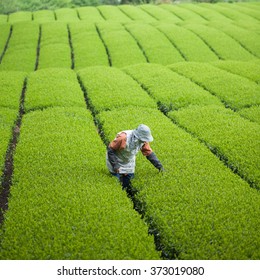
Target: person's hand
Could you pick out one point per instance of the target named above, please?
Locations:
(161, 170)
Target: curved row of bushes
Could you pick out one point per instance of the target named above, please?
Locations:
(235, 91)
(28, 46)
(21, 51)
(88, 49)
(170, 90)
(11, 89)
(228, 135)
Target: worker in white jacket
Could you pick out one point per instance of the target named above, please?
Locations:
(122, 151)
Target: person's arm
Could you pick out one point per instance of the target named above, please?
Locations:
(151, 156)
(113, 159)
(117, 144)
(155, 161)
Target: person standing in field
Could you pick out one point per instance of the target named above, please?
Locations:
(121, 153)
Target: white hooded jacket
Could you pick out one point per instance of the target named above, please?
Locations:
(126, 157)
(122, 151)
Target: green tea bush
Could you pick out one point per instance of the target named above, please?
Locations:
(66, 15)
(182, 38)
(252, 113)
(250, 40)
(235, 91)
(159, 14)
(20, 16)
(53, 87)
(169, 89)
(191, 208)
(122, 47)
(252, 5)
(221, 43)
(207, 14)
(43, 16)
(7, 121)
(113, 13)
(54, 48)
(88, 48)
(136, 14)
(22, 48)
(3, 18)
(231, 13)
(11, 87)
(227, 134)
(248, 69)
(90, 14)
(239, 19)
(5, 31)
(184, 14)
(248, 25)
(152, 42)
(63, 204)
(116, 89)
(245, 9)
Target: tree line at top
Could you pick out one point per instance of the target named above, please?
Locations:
(10, 6)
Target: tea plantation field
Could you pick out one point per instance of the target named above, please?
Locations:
(70, 79)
